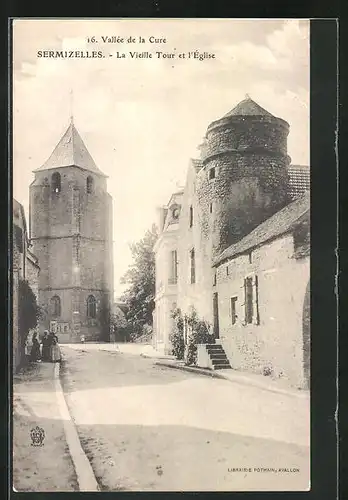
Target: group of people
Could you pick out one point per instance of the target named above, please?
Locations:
(46, 350)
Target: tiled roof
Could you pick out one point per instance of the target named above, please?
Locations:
(71, 151)
(197, 163)
(248, 107)
(299, 179)
(280, 223)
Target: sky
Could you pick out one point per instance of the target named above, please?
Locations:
(142, 119)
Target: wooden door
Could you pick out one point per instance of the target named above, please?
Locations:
(216, 315)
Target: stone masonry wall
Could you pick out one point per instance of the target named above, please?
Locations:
(72, 240)
(249, 156)
(198, 294)
(32, 275)
(247, 189)
(240, 133)
(276, 343)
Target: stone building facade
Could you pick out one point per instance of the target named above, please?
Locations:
(262, 284)
(166, 271)
(71, 234)
(241, 180)
(25, 266)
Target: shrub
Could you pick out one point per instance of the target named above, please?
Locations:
(177, 335)
(267, 371)
(199, 334)
(28, 311)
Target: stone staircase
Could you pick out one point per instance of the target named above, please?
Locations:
(217, 356)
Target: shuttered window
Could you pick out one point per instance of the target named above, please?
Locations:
(251, 300)
(248, 291)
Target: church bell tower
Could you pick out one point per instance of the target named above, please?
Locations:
(71, 234)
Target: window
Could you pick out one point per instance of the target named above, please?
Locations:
(233, 310)
(227, 270)
(191, 216)
(250, 257)
(251, 296)
(248, 291)
(173, 277)
(55, 306)
(212, 173)
(89, 185)
(214, 278)
(56, 182)
(91, 307)
(211, 208)
(192, 266)
(175, 213)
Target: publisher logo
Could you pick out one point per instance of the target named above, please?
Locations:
(37, 436)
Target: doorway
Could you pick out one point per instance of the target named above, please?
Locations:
(216, 315)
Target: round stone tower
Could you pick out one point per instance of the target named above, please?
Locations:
(244, 179)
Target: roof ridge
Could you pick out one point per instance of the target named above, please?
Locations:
(72, 140)
(300, 207)
(247, 106)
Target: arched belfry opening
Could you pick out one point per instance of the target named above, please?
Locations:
(56, 182)
(91, 307)
(306, 336)
(89, 184)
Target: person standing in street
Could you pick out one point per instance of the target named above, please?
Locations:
(46, 347)
(35, 349)
(55, 349)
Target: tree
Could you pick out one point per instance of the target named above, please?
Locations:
(28, 311)
(140, 295)
(118, 318)
(119, 324)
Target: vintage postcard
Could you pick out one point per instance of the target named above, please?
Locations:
(161, 255)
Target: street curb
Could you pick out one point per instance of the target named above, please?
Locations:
(237, 380)
(191, 369)
(84, 472)
(148, 356)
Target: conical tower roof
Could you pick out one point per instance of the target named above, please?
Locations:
(71, 151)
(248, 107)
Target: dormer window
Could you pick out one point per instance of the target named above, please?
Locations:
(175, 213)
(89, 184)
(56, 182)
